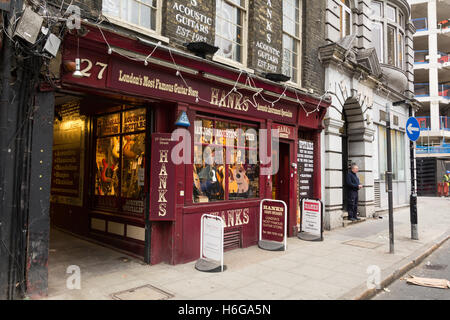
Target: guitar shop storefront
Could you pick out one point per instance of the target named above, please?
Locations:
(114, 179)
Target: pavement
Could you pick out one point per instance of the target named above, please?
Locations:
(337, 268)
(437, 266)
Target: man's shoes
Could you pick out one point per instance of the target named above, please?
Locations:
(357, 218)
(352, 219)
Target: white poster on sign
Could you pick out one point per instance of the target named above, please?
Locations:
(311, 217)
(212, 239)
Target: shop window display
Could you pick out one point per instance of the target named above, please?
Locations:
(225, 161)
(120, 161)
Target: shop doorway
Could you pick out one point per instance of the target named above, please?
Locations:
(100, 174)
(281, 180)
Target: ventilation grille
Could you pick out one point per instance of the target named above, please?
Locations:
(377, 195)
(232, 239)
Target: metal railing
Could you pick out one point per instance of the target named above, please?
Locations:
(445, 57)
(420, 56)
(421, 24)
(422, 89)
(444, 90)
(443, 148)
(425, 123)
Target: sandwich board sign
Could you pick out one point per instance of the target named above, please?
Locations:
(272, 225)
(211, 244)
(311, 220)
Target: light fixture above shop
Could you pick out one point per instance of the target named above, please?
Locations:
(201, 49)
(77, 73)
(277, 77)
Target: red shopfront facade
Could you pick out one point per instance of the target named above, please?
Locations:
(127, 103)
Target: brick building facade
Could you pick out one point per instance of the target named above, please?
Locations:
(138, 75)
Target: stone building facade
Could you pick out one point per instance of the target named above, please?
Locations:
(368, 66)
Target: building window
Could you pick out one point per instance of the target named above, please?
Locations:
(141, 13)
(388, 33)
(291, 39)
(377, 37)
(377, 9)
(398, 154)
(119, 160)
(345, 18)
(391, 13)
(391, 45)
(230, 26)
(220, 173)
(401, 50)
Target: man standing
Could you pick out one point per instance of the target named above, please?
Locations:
(353, 186)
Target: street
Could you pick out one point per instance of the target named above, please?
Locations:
(434, 266)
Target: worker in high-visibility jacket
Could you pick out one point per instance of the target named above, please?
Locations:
(446, 178)
(446, 183)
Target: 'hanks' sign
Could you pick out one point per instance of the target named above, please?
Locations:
(162, 190)
(267, 35)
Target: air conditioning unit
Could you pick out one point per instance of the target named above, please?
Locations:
(29, 25)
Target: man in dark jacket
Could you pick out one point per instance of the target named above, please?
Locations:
(353, 186)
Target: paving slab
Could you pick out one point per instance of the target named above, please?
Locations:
(330, 269)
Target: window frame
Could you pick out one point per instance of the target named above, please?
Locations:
(134, 27)
(244, 53)
(297, 83)
(96, 136)
(240, 124)
(398, 158)
(398, 26)
(343, 8)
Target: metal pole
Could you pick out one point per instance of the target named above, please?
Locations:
(413, 197)
(389, 178)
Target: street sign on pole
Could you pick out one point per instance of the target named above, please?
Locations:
(412, 129)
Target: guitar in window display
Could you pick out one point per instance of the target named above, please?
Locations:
(239, 182)
(133, 161)
(107, 166)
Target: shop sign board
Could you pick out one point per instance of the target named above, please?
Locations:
(162, 179)
(285, 132)
(211, 244)
(311, 221)
(273, 225)
(305, 166)
(110, 72)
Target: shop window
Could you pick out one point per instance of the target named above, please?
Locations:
(120, 161)
(230, 26)
(225, 161)
(291, 39)
(345, 18)
(141, 13)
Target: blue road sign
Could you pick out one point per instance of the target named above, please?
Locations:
(412, 129)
